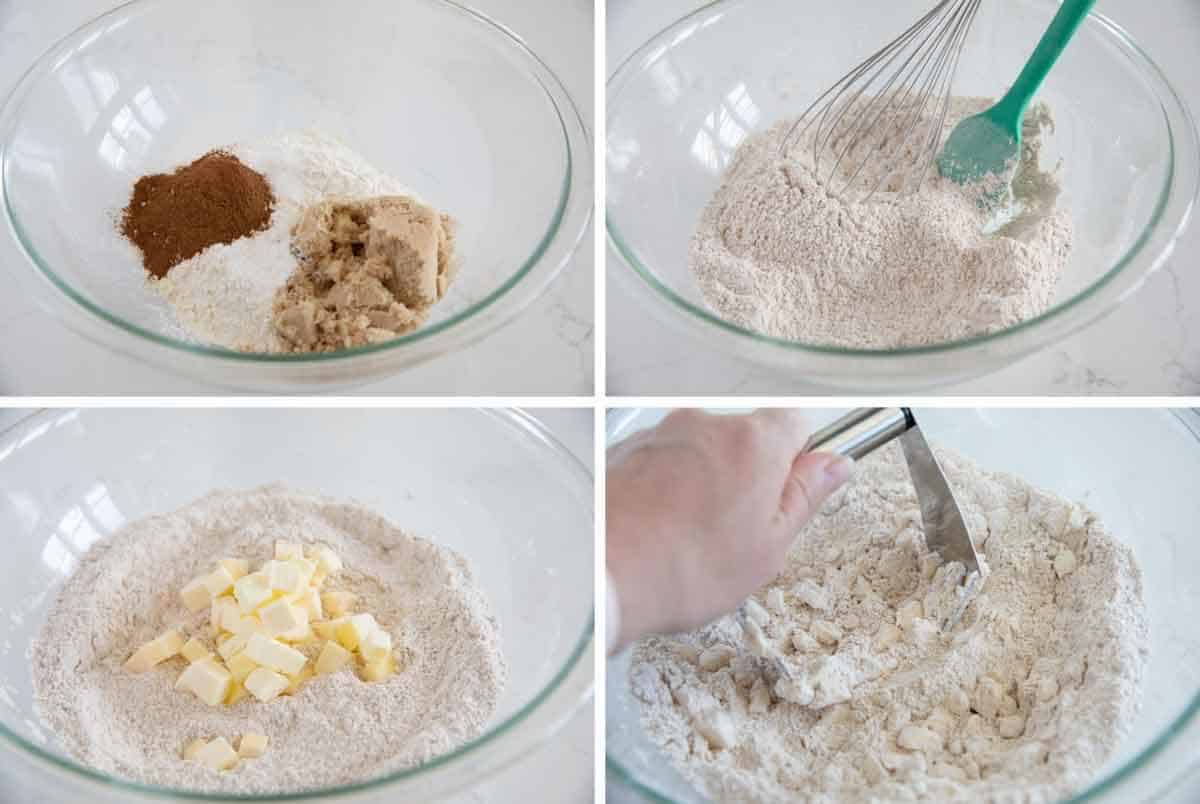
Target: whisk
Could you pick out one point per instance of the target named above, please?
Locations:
(888, 113)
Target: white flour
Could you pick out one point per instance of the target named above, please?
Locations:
(224, 294)
(777, 253)
(337, 729)
(1023, 701)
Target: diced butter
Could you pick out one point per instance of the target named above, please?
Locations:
(194, 649)
(218, 755)
(380, 669)
(274, 655)
(207, 679)
(237, 567)
(251, 591)
(191, 749)
(375, 646)
(318, 578)
(195, 595)
(219, 581)
(333, 657)
(326, 559)
(351, 632)
(306, 568)
(224, 612)
(157, 650)
(247, 625)
(252, 746)
(284, 576)
(296, 681)
(240, 665)
(265, 684)
(233, 646)
(286, 550)
(337, 602)
(236, 693)
(311, 601)
(281, 617)
(301, 633)
(327, 630)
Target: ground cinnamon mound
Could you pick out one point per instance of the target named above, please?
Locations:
(216, 199)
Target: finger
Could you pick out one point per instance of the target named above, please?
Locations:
(814, 476)
(789, 425)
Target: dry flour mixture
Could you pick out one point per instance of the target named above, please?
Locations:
(336, 729)
(1023, 700)
(776, 252)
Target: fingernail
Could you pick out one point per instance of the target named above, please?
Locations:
(838, 471)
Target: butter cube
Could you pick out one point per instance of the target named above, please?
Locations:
(252, 746)
(194, 649)
(224, 612)
(375, 646)
(351, 632)
(237, 567)
(159, 649)
(274, 655)
(337, 602)
(310, 601)
(233, 646)
(191, 749)
(306, 568)
(281, 616)
(333, 657)
(218, 755)
(218, 582)
(236, 693)
(284, 576)
(326, 559)
(207, 679)
(240, 665)
(251, 591)
(318, 578)
(326, 629)
(265, 684)
(195, 595)
(286, 550)
(301, 633)
(247, 625)
(295, 682)
(379, 670)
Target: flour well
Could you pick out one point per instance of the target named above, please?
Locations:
(224, 295)
(776, 252)
(337, 729)
(1023, 701)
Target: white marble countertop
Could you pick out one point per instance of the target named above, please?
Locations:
(562, 770)
(1148, 347)
(547, 350)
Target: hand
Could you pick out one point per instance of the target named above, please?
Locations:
(701, 511)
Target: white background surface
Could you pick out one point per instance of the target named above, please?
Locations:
(547, 350)
(1149, 347)
(562, 770)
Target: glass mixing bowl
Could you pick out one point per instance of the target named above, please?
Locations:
(1137, 469)
(451, 103)
(680, 105)
(492, 485)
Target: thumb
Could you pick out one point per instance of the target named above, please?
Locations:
(814, 476)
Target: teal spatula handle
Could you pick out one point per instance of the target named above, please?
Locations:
(1012, 107)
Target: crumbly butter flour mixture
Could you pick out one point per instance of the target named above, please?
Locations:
(778, 253)
(336, 728)
(1023, 700)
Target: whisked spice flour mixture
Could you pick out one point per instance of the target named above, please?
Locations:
(778, 253)
(1023, 700)
(337, 728)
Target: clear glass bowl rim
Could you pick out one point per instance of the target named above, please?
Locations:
(47, 63)
(515, 420)
(637, 61)
(1190, 419)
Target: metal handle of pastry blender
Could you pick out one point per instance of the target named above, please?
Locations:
(861, 432)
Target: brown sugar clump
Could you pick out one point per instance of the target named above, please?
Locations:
(216, 199)
(369, 271)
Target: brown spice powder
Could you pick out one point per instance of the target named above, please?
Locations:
(216, 199)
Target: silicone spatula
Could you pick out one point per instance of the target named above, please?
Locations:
(990, 143)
